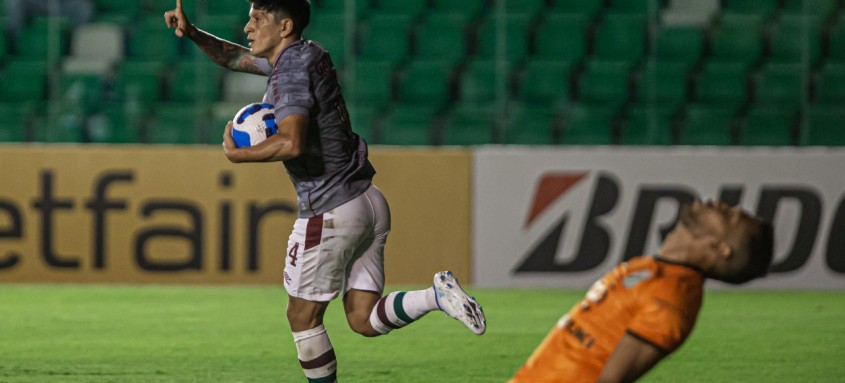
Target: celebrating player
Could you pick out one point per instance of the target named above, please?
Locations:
(336, 247)
(645, 308)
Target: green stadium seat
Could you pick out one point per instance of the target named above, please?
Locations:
(118, 12)
(195, 81)
(412, 8)
(621, 37)
(225, 26)
(44, 38)
(836, 45)
(481, 81)
(679, 44)
(467, 8)
(722, 83)
(469, 124)
(585, 124)
(386, 38)
(737, 38)
(151, 41)
(85, 91)
(646, 125)
(23, 81)
(15, 124)
(589, 8)
(4, 45)
(782, 85)
(642, 7)
(824, 126)
(339, 6)
(335, 43)
(363, 120)
(227, 8)
(516, 37)
(604, 82)
(62, 123)
(528, 8)
(562, 36)
(830, 85)
(796, 39)
(139, 82)
(663, 82)
(763, 8)
(407, 124)
(369, 82)
(767, 127)
(707, 125)
(528, 124)
(545, 83)
(177, 123)
(426, 82)
(115, 124)
(818, 8)
(442, 37)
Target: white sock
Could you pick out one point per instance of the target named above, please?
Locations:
(316, 355)
(399, 309)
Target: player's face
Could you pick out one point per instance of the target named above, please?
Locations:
(715, 219)
(264, 33)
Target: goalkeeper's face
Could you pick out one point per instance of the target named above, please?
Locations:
(264, 33)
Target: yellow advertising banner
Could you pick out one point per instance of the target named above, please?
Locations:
(184, 214)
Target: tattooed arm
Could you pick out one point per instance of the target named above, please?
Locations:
(221, 52)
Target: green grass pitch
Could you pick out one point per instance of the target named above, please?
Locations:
(72, 333)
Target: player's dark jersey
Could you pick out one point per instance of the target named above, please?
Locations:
(649, 298)
(333, 167)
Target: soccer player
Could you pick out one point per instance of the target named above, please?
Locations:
(336, 247)
(645, 308)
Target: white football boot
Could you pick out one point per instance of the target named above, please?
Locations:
(452, 300)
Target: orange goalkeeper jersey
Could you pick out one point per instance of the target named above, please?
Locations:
(649, 298)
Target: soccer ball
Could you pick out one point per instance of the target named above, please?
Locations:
(253, 124)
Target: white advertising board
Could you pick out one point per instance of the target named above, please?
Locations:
(562, 217)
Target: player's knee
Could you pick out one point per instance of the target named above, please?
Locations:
(362, 326)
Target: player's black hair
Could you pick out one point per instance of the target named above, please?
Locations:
(758, 251)
(298, 10)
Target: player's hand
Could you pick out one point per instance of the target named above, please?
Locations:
(176, 19)
(229, 147)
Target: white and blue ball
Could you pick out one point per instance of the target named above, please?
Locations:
(253, 124)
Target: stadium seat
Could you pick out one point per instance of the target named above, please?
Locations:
(782, 85)
(515, 37)
(585, 124)
(722, 83)
(243, 88)
(35, 42)
(369, 82)
(62, 123)
(481, 81)
(469, 124)
(4, 45)
(150, 41)
(227, 8)
(115, 124)
(467, 8)
(23, 80)
(796, 39)
(689, 13)
(195, 81)
(528, 124)
(679, 44)
(426, 82)
(818, 8)
(641, 7)
(707, 125)
(363, 120)
(407, 124)
(14, 125)
(412, 8)
(177, 123)
(545, 83)
(604, 82)
(339, 6)
(646, 125)
(824, 126)
(561, 37)
(139, 82)
(119, 12)
(737, 38)
(765, 126)
(442, 37)
(663, 82)
(385, 38)
(83, 90)
(589, 8)
(225, 26)
(830, 85)
(336, 43)
(836, 45)
(763, 8)
(96, 43)
(621, 37)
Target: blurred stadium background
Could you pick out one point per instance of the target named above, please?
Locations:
(438, 72)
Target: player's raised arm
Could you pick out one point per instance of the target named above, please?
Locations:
(222, 52)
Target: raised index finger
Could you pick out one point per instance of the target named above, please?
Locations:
(179, 5)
